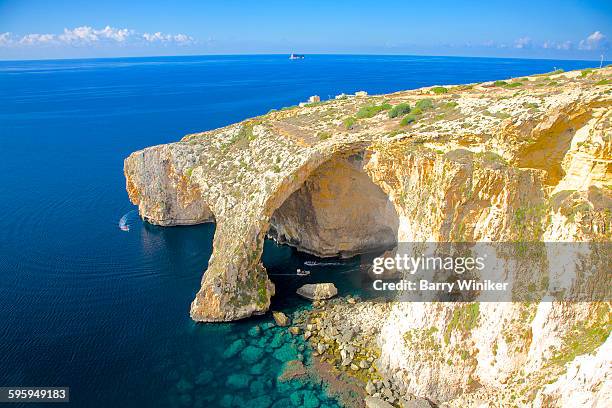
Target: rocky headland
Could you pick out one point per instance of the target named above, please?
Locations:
(526, 159)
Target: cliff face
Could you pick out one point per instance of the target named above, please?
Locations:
(528, 160)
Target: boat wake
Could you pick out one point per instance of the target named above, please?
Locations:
(127, 220)
(314, 263)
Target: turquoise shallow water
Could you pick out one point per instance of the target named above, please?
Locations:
(88, 305)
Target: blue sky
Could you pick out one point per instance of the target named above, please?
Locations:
(529, 29)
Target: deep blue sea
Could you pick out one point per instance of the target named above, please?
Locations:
(105, 311)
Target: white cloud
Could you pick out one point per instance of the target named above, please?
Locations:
(159, 37)
(5, 39)
(34, 39)
(523, 42)
(553, 45)
(595, 41)
(86, 35)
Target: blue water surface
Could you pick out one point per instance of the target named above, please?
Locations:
(105, 311)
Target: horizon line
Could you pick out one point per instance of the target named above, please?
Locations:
(279, 54)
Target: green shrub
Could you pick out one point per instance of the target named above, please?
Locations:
(349, 122)
(500, 83)
(514, 85)
(371, 110)
(417, 111)
(399, 110)
(604, 82)
(586, 72)
(438, 90)
(450, 105)
(408, 119)
(324, 135)
(424, 104)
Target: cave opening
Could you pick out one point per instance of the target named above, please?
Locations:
(337, 214)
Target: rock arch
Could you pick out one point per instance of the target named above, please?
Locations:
(236, 285)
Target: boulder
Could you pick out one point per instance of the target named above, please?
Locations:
(318, 291)
(281, 319)
(416, 403)
(373, 402)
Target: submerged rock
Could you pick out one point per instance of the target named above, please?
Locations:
(292, 369)
(204, 377)
(263, 401)
(285, 353)
(234, 348)
(318, 291)
(238, 381)
(252, 354)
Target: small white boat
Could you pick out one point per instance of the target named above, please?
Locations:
(300, 272)
(296, 56)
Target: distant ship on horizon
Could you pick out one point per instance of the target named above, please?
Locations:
(296, 56)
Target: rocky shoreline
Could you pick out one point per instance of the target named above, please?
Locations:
(342, 333)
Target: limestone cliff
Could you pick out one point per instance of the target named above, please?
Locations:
(528, 159)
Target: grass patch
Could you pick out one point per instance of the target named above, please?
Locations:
(424, 104)
(450, 105)
(439, 90)
(604, 82)
(586, 336)
(371, 110)
(586, 72)
(408, 119)
(514, 85)
(399, 110)
(324, 135)
(491, 157)
(464, 319)
(349, 122)
(500, 83)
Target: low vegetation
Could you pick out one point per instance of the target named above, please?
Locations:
(424, 104)
(349, 122)
(439, 90)
(408, 119)
(372, 110)
(399, 110)
(464, 319)
(324, 135)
